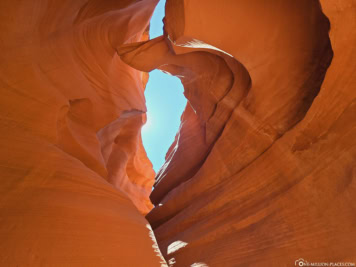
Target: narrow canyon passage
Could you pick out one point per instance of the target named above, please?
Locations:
(165, 103)
(260, 173)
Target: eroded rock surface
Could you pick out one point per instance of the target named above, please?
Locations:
(262, 172)
(75, 178)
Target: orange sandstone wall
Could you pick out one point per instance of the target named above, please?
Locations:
(75, 178)
(262, 171)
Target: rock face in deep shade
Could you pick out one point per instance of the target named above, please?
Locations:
(72, 163)
(262, 171)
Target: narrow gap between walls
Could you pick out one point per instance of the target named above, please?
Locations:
(165, 103)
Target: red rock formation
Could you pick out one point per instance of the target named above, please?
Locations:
(72, 162)
(262, 173)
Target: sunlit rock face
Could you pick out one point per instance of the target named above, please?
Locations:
(262, 171)
(75, 179)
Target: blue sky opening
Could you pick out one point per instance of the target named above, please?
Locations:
(165, 103)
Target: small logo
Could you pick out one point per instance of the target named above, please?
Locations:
(300, 262)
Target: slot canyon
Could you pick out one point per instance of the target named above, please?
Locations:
(262, 171)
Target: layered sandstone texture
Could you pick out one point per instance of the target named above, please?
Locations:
(75, 179)
(263, 169)
(261, 173)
